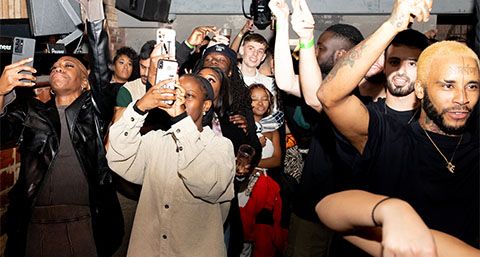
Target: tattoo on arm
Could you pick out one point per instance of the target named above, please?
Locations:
(397, 21)
(348, 59)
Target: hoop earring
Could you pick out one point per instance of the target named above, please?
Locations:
(51, 92)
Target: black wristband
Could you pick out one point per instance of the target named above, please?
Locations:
(137, 110)
(373, 211)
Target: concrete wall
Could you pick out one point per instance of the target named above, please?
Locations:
(136, 32)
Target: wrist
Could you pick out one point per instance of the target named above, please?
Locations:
(140, 108)
(388, 207)
(307, 44)
(189, 45)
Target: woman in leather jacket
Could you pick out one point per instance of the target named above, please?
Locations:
(63, 180)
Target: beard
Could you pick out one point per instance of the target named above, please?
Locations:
(400, 91)
(438, 119)
(327, 66)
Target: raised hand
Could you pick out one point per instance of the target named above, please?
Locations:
(93, 9)
(247, 27)
(302, 20)
(11, 76)
(156, 96)
(404, 12)
(199, 34)
(178, 107)
(280, 9)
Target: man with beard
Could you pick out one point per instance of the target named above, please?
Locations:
(432, 163)
(401, 72)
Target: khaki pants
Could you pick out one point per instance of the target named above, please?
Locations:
(60, 230)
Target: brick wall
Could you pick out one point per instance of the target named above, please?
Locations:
(117, 35)
(9, 169)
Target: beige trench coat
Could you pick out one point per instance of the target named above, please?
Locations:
(186, 193)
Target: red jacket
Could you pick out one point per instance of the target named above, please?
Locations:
(261, 218)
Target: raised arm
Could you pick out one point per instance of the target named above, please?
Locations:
(402, 231)
(235, 45)
(284, 74)
(345, 110)
(310, 73)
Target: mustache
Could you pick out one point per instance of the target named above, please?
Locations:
(457, 108)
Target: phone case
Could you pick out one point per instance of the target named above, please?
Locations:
(166, 36)
(166, 69)
(23, 48)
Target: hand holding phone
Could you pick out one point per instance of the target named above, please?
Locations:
(23, 48)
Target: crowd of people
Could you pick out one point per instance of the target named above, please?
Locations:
(371, 148)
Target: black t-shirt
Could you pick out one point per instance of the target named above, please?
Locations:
(403, 163)
(323, 173)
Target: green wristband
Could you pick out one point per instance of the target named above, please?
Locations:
(189, 46)
(307, 45)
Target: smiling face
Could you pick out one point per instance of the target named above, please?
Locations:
(123, 68)
(213, 78)
(195, 99)
(253, 53)
(401, 69)
(450, 93)
(68, 76)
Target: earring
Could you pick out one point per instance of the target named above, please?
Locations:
(51, 92)
(204, 113)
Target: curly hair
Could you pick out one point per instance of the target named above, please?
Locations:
(224, 98)
(241, 101)
(130, 53)
(269, 96)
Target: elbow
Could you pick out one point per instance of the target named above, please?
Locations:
(324, 99)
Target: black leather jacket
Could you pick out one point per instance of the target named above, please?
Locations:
(36, 125)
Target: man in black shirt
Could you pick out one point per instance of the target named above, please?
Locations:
(432, 163)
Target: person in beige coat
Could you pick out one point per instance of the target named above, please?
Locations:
(186, 172)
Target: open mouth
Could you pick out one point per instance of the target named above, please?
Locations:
(399, 81)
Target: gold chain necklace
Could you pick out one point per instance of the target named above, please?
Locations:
(450, 165)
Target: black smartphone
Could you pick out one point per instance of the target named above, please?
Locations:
(23, 48)
(166, 69)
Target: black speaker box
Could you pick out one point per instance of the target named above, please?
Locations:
(146, 10)
(48, 17)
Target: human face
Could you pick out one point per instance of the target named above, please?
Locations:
(68, 76)
(401, 69)
(195, 103)
(144, 65)
(451, 92)
(218, 60)
(214, 80)
(260, 102)
(253, 53)
(327, 45)
(123, 68)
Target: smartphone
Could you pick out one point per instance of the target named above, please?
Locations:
(166, 36)
(23, 48)
(166, 69)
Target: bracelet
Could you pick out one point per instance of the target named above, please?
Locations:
(189, 46)
(375, 207)
(307, 45)
(240, 35)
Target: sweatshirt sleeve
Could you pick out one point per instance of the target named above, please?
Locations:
(126, 153)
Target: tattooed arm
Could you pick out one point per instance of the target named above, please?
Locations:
(345, 110)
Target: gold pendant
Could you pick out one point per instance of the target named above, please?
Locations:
(450, 167)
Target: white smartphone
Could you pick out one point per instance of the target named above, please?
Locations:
(166, 36)
(23, 48)
(166, 69)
